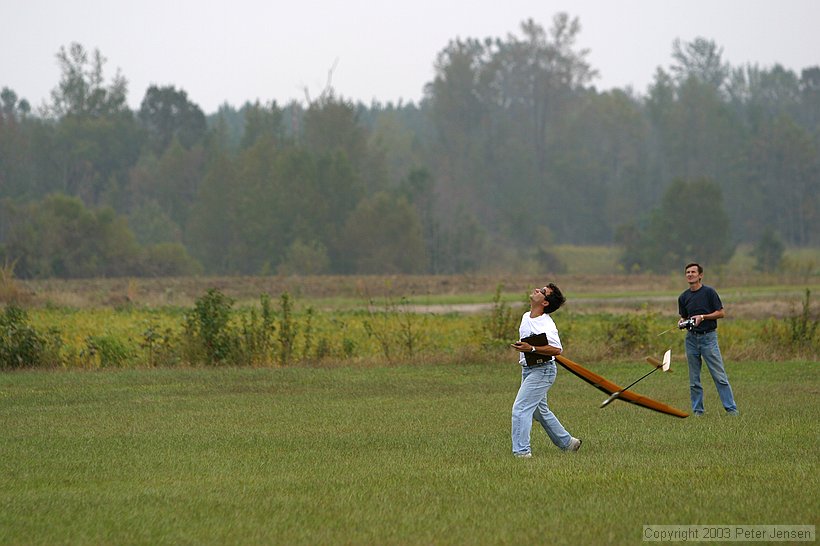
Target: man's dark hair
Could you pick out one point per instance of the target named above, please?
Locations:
(694, 264)
(556, 299)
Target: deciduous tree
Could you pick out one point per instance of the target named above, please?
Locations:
(167, 114)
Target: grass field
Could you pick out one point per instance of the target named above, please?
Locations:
(391, 455)
(343, 448)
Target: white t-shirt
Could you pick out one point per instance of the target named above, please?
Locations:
(542, 324)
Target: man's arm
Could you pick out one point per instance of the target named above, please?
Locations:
(547, 350)
(714, 315)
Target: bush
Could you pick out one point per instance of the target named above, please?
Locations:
(106, 351)
(287, 331)
(259, 339)
(207, 332)
(797, 334)
(629, 333)
(10, 290)
(256, 339)
(395, 326)
(160, 346)
(803, 325)
(21, 346)
(500, 325)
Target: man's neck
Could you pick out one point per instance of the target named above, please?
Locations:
(536, 311)
(694, 287)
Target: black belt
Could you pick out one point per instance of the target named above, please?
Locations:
(700, 333)
(540, 362)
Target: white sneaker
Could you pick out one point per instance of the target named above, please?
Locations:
(523, 455)
(574, 444)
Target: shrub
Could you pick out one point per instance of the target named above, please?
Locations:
(797, 334)
(207, 329)
(803, 325)
(256, 340)
(21, 345)
(287, 330)
(394, 326)
(106, 351)
(10, 290)
(629, 333)
(499, 325)
(160, 346)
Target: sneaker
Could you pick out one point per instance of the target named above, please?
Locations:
(574, 444)
(733, 413)
(523, 455)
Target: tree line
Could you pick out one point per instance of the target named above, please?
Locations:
(511, 150)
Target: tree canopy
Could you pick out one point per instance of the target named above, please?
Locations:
(511, 141)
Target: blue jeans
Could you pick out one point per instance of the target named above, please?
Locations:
(531, 402)
(705, 346)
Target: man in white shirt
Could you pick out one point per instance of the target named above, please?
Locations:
(538, 371)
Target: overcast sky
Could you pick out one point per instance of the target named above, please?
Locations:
(240, 50)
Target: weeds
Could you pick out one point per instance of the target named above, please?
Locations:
(106, 351)
(499, 326)
(21, 345)
(803, 326)
(256, 341)
(628, 334)
(214, 333)
(410, 329)
(798, 334)
(287, 330)
(159, 346)
(10, 291)
(395, 325)
(211, 337)
(307, 346)
(206, 329)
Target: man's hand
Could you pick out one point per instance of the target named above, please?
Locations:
(521, 346)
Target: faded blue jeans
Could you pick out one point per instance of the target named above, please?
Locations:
(705, 347)
(531, 402)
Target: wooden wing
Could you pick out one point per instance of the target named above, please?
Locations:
(607, 386)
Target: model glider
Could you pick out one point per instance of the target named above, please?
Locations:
(615, 391)
(667, 361)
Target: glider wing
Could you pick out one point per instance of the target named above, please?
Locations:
(607, 386)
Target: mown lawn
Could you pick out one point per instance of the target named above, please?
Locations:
(391, 455)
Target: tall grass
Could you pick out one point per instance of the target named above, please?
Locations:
(137, 337)
(399, 455)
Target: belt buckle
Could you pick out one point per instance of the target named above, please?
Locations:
(540, 363)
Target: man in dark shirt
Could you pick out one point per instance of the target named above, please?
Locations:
(701, 306)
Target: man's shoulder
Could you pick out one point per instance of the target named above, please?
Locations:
(543, 317)
(686, 294)
(709, 289)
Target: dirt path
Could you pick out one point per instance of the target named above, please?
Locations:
(771, 305)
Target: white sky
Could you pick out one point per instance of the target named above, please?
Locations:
(240, 50)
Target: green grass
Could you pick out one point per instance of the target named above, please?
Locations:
(394, 455)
